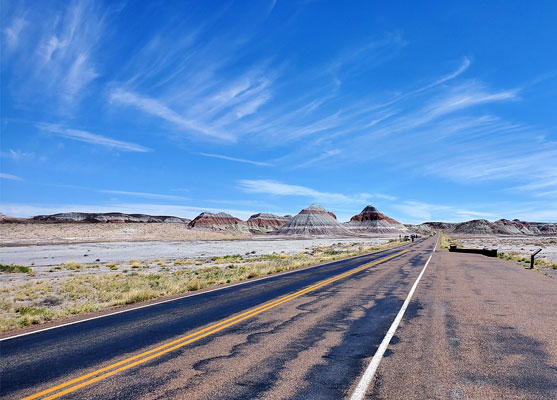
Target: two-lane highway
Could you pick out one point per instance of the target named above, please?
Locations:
(304, 334)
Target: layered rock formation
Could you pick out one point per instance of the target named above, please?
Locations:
(264, 223)
(4, 219)
(313, 221)
(503, 227)
(219, 222)
(371, 221)
(485, 227)
(421, 229)
(113, 217)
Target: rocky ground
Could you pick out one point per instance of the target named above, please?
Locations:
(44, 258)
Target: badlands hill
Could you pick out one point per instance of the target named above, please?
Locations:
(113, 217)
(485, 227)
(264, 223)
(12, 220)
(503, 227)
(313, 221)
(371, 221)
(219, 222)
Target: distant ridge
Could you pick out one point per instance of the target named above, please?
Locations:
(112, 217)
(319, 222)
(485, 227)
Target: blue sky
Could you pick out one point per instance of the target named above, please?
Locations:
(428, 110)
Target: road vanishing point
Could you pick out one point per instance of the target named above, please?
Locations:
(410, 322)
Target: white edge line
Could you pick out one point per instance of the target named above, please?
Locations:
(369, 373)
(179, 298)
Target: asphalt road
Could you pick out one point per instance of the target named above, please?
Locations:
(476, 328)
(364, 303)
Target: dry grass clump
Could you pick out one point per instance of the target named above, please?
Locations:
(445, 241)
(112, 265)
(524, 261)
(234, 258)
(72, 265)
(136, 264)
(181, 262)
(16, 269)
(41, 301)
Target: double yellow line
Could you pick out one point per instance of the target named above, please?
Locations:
(138, 359)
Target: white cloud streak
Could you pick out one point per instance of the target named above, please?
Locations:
(16, 154)
(324, 156)
(158, 109)
(240, 160)
(88, 137)
(275, 188)
(475, 213)
(12, 32)
(144, 195)
(10, 177)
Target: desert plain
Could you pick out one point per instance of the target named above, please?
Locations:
(54, 270)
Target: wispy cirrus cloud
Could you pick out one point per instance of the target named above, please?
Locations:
(10, 177)
(92, 138)
(215, 109)
(56, 58)
(235, 159)
(158, 109)
(16, 154)
(465, 63)
(458, 98)
(540, 186)
(532, 164)
(144, 195)
(321, 157)
(13, 30)
(202, 100)
(475, 213)
(418, 212)
(276, 188)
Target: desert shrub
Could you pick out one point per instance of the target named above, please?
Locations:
(15, 269)
(72, 265)
(112, 265)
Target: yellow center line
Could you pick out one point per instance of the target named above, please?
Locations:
(185, 340)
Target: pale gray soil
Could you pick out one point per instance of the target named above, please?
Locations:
(523, 245)
(520, 245)
(62, 233)
(43, 258)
